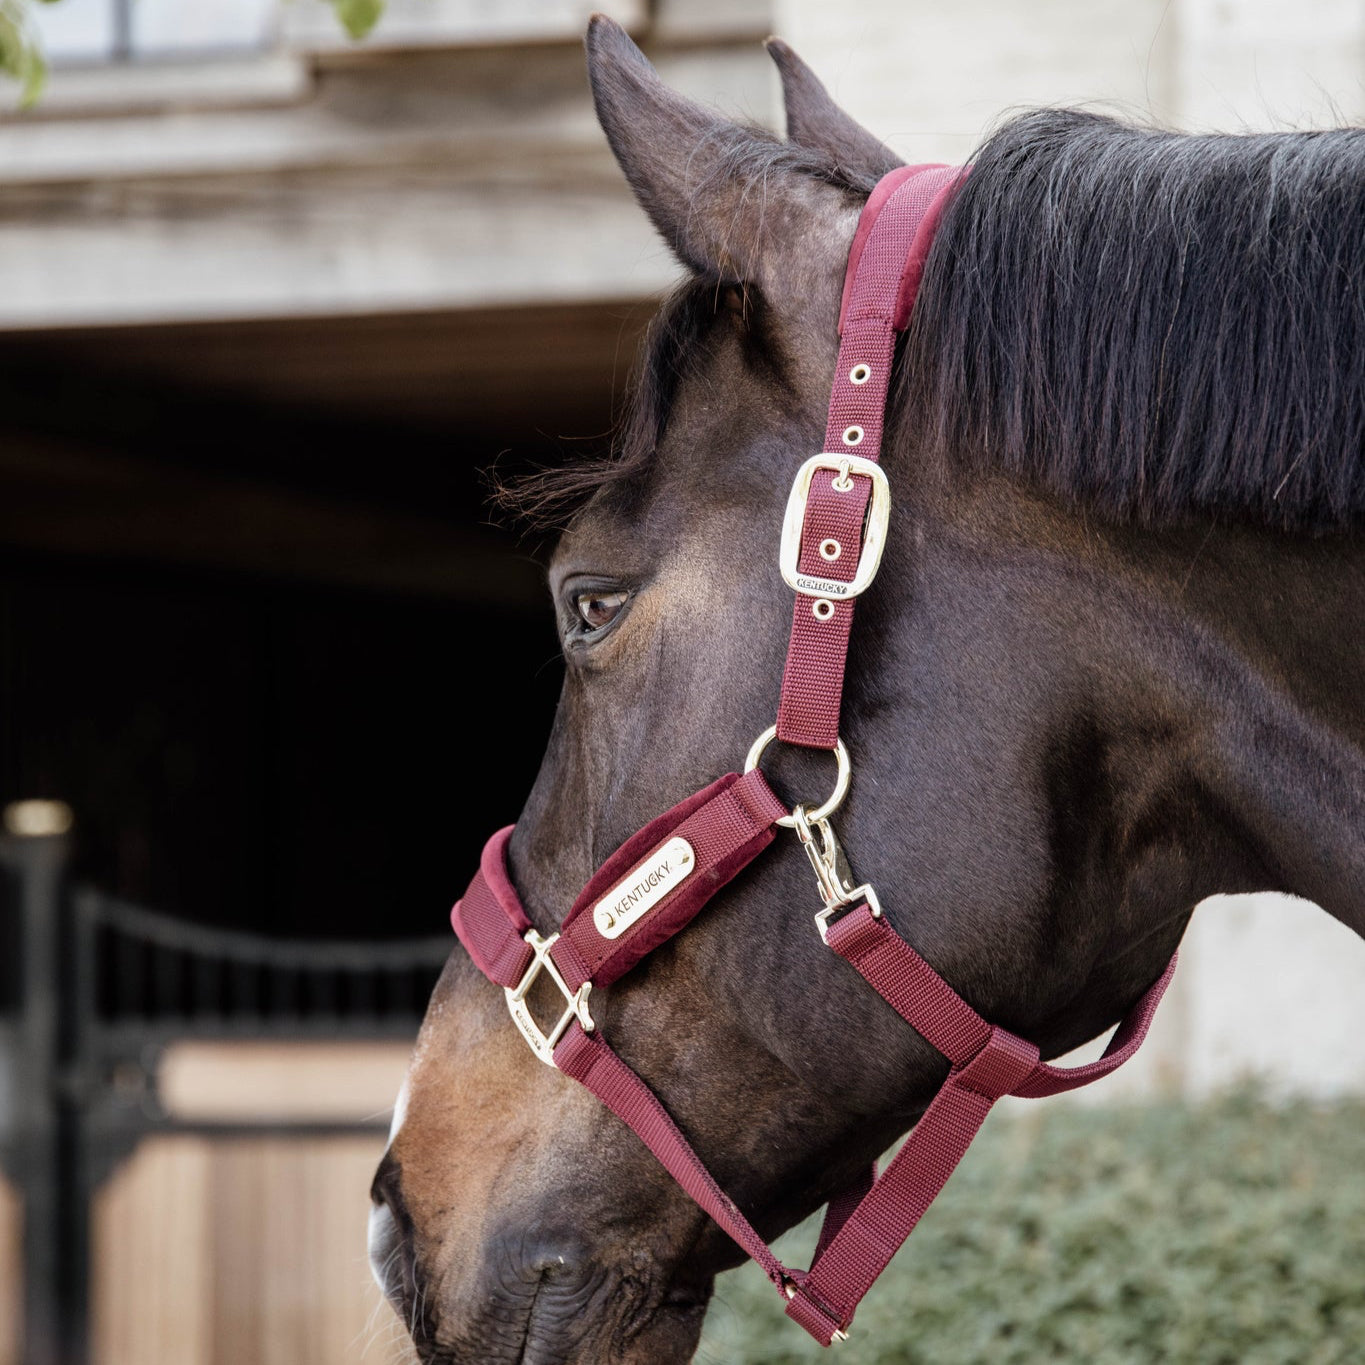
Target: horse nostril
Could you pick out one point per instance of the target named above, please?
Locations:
(561, 1266)
(387, 1229)
(531, 1257)
(385, 1179)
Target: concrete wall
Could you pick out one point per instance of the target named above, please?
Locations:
(931, 79)
(308, 177)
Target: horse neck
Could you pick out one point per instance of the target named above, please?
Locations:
(1275, 653)
(1230, 660)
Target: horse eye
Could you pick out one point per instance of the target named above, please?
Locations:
(597, 610)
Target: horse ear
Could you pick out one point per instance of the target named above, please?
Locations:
(814, 121)
(729, 201)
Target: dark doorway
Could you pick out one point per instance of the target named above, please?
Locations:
(255, 627)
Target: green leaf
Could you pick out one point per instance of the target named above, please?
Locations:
(358, 17)
(21, 56)
(21, 59)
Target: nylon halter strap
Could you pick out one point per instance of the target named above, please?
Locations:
(659, 879)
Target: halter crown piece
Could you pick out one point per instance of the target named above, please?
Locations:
(656, 882)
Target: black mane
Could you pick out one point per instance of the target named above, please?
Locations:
(1160, 324)
(1153, 323)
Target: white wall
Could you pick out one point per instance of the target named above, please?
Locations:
(1267, 986)
(1270, 63)
(930, 79)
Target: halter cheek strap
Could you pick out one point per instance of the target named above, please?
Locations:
(659, 880)
(885, 264)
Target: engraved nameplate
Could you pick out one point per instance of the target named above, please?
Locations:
(823, 587)
(633, 898)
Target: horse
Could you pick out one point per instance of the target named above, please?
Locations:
(1110, 666)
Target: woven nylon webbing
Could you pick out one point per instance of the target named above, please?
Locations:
(884, 271)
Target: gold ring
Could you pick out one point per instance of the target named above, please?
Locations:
(841, 781)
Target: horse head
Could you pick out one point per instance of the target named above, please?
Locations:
(1065, 733)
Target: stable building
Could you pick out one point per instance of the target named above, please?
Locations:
(266, 313)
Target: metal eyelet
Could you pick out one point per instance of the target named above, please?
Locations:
(859, 374)
(822, 609)
(852, 435)
(830, 549)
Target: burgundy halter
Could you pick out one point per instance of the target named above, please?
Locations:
(658, 880)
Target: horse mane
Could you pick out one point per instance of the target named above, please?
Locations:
(1154, 323)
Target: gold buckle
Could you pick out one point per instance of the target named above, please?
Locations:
(832, 871)
(874, 533)
(543, 1044)
(790, 1290)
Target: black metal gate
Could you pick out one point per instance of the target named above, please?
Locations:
(92, 990)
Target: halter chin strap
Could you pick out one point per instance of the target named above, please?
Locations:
(658, 880)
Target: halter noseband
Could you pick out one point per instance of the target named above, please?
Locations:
(656, 882)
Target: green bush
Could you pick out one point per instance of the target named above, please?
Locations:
(1231, 1233)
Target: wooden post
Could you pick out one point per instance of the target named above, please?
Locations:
(34, 850)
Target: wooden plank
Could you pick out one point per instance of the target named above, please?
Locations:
(221, 82)
(703, 21)
(244, 1252)
(11, 1273)
(461, 113)
(227, 1082)
(150, 1253)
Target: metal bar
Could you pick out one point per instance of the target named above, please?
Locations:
(322, 994)
(282, 996)
(101, 979)
(167, 969)
(130, 972)
(207, 988)
(359, 995)
(166, 931)
(123, 30)
(246, 989)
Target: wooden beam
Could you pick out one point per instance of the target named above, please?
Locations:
(408, 183)
(242, 1252)
(312, 24)
(489, 373)
(264, 1082)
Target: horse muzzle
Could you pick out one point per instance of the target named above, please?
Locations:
(528, 1294)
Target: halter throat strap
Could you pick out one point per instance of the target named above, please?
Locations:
(656, 883)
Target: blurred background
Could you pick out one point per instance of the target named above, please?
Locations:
(271, 298)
